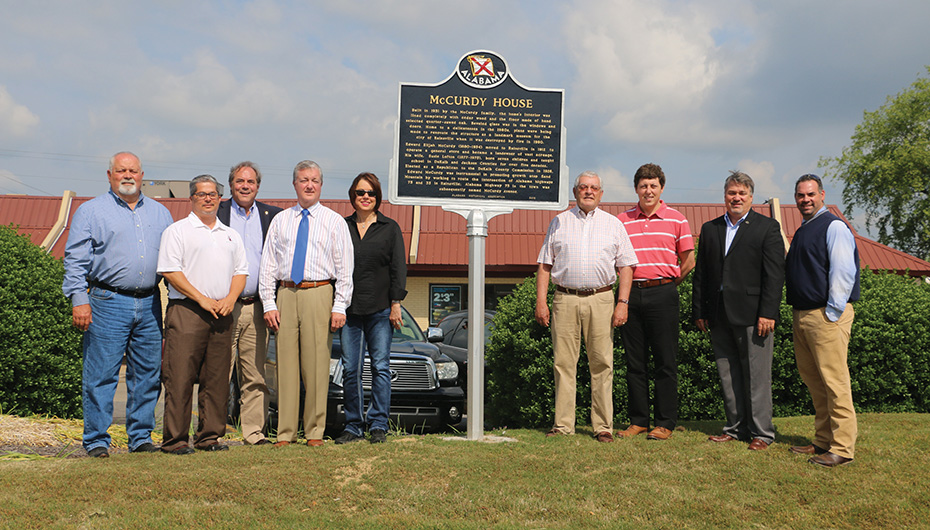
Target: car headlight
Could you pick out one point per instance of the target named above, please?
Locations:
(447, 371)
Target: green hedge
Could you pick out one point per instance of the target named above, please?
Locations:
(889, 359)
(40, 351)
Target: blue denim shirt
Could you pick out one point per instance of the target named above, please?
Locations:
(110, 242)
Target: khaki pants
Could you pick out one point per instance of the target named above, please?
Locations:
(304, 343)
(249, 345)
(573, 317)
(821, 347)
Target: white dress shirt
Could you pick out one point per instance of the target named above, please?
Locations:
(330, 255)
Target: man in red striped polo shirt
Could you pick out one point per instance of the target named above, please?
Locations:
(665, 250)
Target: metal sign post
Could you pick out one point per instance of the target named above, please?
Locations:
(477, 231)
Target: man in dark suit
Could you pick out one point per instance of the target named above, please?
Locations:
(250, 219)
(738, 282)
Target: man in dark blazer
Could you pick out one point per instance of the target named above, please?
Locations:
(738, 282)
(250, 219)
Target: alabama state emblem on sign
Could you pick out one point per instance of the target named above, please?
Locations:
(482, 69)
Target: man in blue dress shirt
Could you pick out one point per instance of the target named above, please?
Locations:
(110, 278)
(250, 219)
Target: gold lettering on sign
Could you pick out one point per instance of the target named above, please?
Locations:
(480, 147)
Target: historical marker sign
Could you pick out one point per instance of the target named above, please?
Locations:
(479, 144)
(479, 139)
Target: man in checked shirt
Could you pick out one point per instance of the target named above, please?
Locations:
(584, 252)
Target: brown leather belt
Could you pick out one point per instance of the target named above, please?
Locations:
(583, 292)
(653, 283)
(304, 284)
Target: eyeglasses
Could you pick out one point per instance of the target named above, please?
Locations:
(585, 187)
(203, 195)
(362, 193)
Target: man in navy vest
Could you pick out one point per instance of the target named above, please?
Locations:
(822, 278)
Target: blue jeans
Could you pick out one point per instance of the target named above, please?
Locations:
(375, 331)
(121, 324)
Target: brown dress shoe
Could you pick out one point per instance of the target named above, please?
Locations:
(631, 431)
(555, 432)
(807, 450)
(721, 438)
(282, 443)
(314, 443)
(758, 444)
(659, 433)
(829, 460)
(604, 436)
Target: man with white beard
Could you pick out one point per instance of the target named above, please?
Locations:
(110, 279)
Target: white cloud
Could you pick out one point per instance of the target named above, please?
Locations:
(16, 121)
(209, 95)
(644, 66)
(762, 174)
(617, 187)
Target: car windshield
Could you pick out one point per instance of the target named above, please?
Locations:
(409, 329)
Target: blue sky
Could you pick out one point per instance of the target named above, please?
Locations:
(699, 87)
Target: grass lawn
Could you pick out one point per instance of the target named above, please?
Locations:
(535, 482)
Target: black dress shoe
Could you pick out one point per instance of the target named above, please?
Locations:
(183, 450)
(214, 447)
(147, 447)
(263, 441)
(378, 436)
(99, 452)
(347, 437)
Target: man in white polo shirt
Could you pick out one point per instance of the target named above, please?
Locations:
(205, 264)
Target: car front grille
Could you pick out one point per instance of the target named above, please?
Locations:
(406, 374)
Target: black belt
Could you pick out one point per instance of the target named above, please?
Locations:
(653, 283)
(135, 293)
(248, 300)
(583, 292)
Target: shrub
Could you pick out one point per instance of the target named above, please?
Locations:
(889, 359)
(889, 351)
(40, 351)
(520, 386)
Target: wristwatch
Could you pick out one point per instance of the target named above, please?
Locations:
(624, 301)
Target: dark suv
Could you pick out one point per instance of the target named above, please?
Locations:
(453, 341)
(425, 390)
